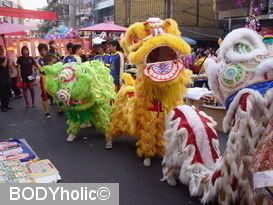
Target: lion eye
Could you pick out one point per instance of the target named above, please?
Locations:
(135, 39)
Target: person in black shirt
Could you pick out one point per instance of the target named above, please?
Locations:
(25, 67)
(5, 82)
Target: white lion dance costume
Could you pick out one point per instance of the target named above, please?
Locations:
(242, 78)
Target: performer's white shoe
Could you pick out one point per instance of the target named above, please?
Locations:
(109, 145)
(71, 138)
(147, 162)
(87, 125)
(171, 181)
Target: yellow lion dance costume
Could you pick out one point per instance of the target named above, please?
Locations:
(156, 47)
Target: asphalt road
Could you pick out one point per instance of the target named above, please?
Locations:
(87, 161)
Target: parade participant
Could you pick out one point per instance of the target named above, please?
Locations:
(156, 47)
(43, 50)
(102, 56)
(13, 71)
(84, 91)
(242, 78)
(70, 57)
(26, 64)
(199, 66)
(84, 58)
(116, 63)
(53, 49)
(77, 52)
(5, 82)
(105, 46)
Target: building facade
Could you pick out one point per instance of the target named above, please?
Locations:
(196, 18)
(11, 4)
(233, 16)
(76, 13)
(131, 11)
(104, 10)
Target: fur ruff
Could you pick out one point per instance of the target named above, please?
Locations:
(238, 36)
(247, 121)
(234, 176)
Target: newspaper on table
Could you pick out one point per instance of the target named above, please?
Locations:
(43, 171)
(20, 164)
(14, 171)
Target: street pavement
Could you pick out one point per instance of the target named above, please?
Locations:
(86, 160)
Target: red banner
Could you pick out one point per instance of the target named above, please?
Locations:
(31, 14)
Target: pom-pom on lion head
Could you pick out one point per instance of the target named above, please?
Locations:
(157, 48)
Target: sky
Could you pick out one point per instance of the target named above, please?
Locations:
(33, 4)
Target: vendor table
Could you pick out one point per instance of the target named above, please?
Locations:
(216, 112)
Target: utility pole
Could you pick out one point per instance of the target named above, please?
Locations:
(197, 12)
(229, 19)
(129, 12)
(169, 8)
(126, 13)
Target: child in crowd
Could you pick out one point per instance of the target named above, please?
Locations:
(43, 50)
(26, 75)
(77, 51)
(102, 56)
(70, 57)
(105, 46)
(116, 63)
(53, 49)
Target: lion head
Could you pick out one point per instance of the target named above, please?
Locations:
(79, 86)
(244, 62)
(157, 48)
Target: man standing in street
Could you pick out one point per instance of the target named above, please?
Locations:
(5, 82)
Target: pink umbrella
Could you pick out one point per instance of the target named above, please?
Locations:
(107, 27)
(8, 28)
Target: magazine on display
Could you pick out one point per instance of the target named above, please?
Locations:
(20, 164)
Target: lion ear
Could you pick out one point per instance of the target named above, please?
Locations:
(171, 26)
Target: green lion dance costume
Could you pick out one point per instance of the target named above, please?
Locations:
(84, 91)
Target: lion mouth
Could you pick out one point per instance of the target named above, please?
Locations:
(74, 102)
(163, 64)
(161, 54)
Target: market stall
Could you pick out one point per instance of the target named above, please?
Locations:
(205, 100)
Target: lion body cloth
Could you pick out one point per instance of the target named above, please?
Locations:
(156, 47)
(242, 78)
(84, 91)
